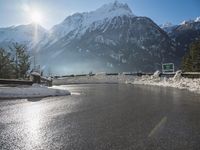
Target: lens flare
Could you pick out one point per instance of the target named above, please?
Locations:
(36, 17)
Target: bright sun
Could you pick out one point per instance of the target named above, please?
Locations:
(36, 17)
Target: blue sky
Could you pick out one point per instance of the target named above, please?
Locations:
(13, 12)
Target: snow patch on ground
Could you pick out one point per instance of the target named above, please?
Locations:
(177, 82)
(31, 92)
(99, 78)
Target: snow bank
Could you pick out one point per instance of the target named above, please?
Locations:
(100, 78)
(35, 74)
(177, 82)
(156, 74)
(31, 92)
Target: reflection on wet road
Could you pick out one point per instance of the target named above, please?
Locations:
(103, 117)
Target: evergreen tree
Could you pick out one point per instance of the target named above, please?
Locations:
(6, 64)
(191, 62)
(21, 60)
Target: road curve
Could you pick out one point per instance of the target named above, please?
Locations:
(103, 117)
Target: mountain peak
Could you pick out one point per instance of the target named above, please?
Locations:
(187, 22)
(197, 19)
(166, 25)
(115, 8)
(107, 11)
(82, 21)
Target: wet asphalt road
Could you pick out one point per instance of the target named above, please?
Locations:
(103, 117)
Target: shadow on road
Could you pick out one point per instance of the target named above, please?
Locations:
(34, 99)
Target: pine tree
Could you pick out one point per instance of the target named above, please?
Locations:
(6, 64)
(191, 61)
(21, 59)
(195, 54)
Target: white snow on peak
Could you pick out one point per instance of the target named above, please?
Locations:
(166, 25)
(197, 19)
(109, 11)
(78, 23)
(191, 21)
(29, 34)
(184, 22)
(82, 21)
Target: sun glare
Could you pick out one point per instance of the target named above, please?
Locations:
(36, 17)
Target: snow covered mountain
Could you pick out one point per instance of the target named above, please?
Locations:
(197, 19)
(168, 27)
(30, 35)
(184, 34)
(79, 23)
(110, 38)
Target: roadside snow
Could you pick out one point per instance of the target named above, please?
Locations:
(35, 74)
(31, 92)
(100, 78)
(177, 82)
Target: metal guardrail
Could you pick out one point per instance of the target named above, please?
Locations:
(49, 82)
(14, 81)
(25, 82)
(191, 74)
(112, 74)
(184, 74)
(81, 75)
